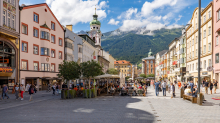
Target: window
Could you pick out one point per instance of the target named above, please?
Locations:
(204, 50)
(217, 58)
(52, 67)
(196, 25)
(24, 46)
(204, 19)
(217, 40)
(210, 30)
(36, 32)
(24, 64)
(210, 63)
(45, 35)
(60, 42)
(45, 51)
(52, 53)
(196, 66)
(36, 17)
(9, 20)
(218, 14)
(209, 47)
(190, 68)
(193, 67)
(193, 54)
(36, 66)
(53, 26)
(24, 28)
(196, 39)
(209, 14)
(13, 22)
(204, 34)
(9, 1)
(196, 52)
(4, 17)
(36, 49)
(80, 50)
(53, 38)
(192, 42)
(13, 2)
(205, 64)
(60, 54)
(45, 67)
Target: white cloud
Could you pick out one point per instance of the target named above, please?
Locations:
(75, 11)
(109, 11)
(113, 22)
(154, 15)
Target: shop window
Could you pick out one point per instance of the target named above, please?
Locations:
(24, 46)
(53, 26)
(36, 49)
(36, 66)
(217, 58)
(36, 17)
(52, 38)
(7, 55)
(24, 64)
(60, 54)
(45, 67)
(45, 51)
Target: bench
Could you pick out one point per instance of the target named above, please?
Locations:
(112, 92)
(130, 92)
(123, 92)
(140, 92)
(191, 98)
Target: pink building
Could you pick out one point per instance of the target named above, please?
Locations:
(216, 39)
(41, 45)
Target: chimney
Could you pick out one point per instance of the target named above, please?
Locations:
(69, 27)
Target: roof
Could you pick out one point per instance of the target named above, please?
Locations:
(39, 5)
(151, 57)
(162, 52)
(122, 62)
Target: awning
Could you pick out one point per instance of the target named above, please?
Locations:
(175, 62)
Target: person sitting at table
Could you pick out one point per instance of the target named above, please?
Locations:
(188, 91)
(194, 94)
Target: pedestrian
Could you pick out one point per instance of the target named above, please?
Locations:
(179, 84)
(16, 92)
(2, 91)
(5, 92)
(54, 87)
(164, 85)
(157, 85)
(211, 86)
(172, 88)
(215, 86)
(31, 92)
(22, 89)
(191, 85)
(57, 89)
(48, 87)
(206, 85)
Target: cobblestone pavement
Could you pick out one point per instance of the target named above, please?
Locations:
(117, 109)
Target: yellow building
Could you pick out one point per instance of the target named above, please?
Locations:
(206, 44)
(9, 43)
(124, 67)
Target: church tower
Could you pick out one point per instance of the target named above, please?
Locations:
(95, 32)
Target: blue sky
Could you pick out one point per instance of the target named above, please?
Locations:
(123, 14)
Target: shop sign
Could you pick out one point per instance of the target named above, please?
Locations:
(94, 57)
(204, 73)
(187, 71)
(209, 68)
(6, 70)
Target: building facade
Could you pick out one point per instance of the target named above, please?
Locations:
(216, 39)
(41, 45)
(111, 61)
(182, 53)
(159, 65)
(148, 64)
(124, 67)
(9, 42)
(73, 45)
(206, 45)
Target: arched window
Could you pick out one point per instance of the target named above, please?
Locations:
(151, 61)
(7, 55)
(94, 39)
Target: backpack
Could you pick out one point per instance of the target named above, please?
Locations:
(32, 90)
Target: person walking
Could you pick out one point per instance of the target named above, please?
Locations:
(191, 85)
(206, 85)
(57, 89)
(164, 85)
(22, 89)
(157, 85)
(16, 92)
(179, 84)
(54, 87)
(211, 86)
(172, 88)
(5, 92)
(31, 92)
(215, 86)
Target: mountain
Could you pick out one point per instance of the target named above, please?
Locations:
(135, 45)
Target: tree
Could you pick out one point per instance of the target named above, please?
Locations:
(150, 75)
(69, 70)
(126, 78)
(112, 71)
(91, 69)
(143, 75)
